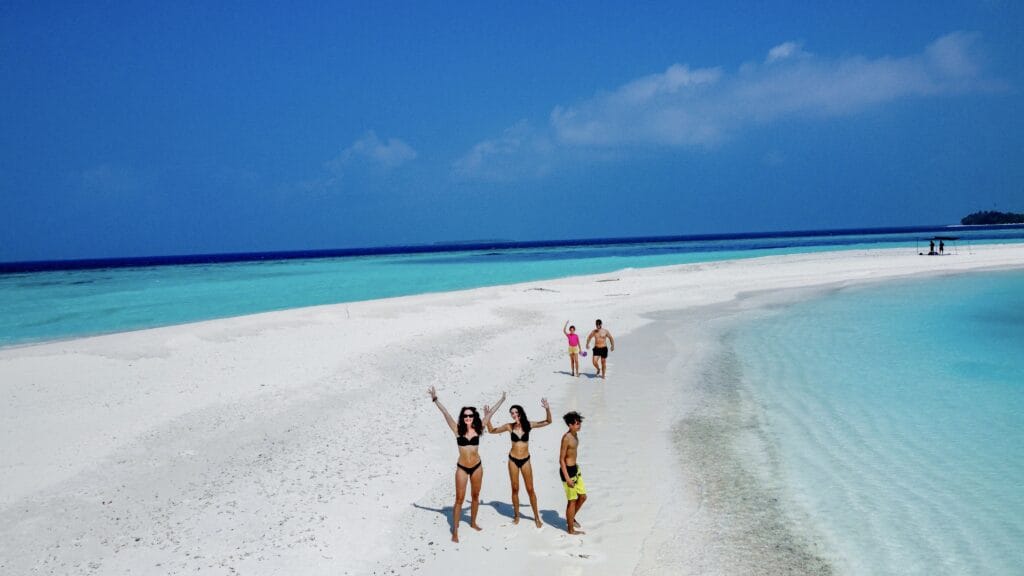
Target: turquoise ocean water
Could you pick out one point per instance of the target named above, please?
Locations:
(39, 306)
(897, 413)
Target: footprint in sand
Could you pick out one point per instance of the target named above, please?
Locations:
(586, 551)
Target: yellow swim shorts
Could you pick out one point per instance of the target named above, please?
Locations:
(574, 349)
(573, 492)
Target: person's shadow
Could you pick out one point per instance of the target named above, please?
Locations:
(553, 518)
(503, 508)
(585, 373)
(550, 517)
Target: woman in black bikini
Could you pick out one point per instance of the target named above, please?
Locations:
(519, 455)
(467, 436)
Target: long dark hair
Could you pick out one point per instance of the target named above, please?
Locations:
(524, 422)
(478, 425)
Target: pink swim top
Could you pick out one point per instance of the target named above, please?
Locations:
(574, 339)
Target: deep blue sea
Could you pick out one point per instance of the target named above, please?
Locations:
(53, 300)
(897, 414)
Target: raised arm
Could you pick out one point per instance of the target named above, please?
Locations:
(489, 411)
(447, 416)
(545, 422)
(565, 329)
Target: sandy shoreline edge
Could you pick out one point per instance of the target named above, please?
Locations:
(302, 441)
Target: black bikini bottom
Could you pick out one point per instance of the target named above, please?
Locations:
(469, 470)
(518, 461)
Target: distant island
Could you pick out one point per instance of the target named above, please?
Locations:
(991, 217)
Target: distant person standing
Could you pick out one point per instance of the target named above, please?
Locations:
(574, 348)
(931, 247)
(601, 338)
(569, 470)
(942, 246)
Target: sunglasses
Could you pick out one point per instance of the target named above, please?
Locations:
(467, 415)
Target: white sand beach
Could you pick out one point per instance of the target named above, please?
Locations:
(304, 441)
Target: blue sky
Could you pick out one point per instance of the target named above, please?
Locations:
(173, 128)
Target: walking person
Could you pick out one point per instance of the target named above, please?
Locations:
(569, 470)
(519, 454)
(602, 338)
(574, 348)
(468, 469)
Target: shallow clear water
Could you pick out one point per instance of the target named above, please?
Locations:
(65, 303)
(897, 412)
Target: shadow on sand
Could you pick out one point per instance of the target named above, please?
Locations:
(447, 513)
(583, 374)
(553, 518)
(550, 517)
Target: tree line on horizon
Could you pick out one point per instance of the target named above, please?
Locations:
(992, 217)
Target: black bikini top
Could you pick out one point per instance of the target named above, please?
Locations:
(517, 438)
(463, 441)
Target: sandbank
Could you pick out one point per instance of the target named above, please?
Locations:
(304, 442)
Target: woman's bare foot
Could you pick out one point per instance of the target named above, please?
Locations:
(475, 527)
(455, 536)
(515, 520)
(577, 532)
(539, 523)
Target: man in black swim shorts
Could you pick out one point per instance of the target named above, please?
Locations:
(602, 338)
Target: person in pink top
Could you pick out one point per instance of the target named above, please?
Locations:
(574, 348)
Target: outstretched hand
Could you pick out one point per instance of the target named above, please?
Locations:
(544, 403)
(432, 392)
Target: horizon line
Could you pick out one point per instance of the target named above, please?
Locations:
(13, 267)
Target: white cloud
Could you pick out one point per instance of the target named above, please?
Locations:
(702, 107)
(368, 156)
(519, 152)
(372, 150)
(784, 51)
(708, 104)
(657, 109)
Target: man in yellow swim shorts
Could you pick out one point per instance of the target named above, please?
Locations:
(569, 470)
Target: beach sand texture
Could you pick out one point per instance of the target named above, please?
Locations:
(304, 442)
